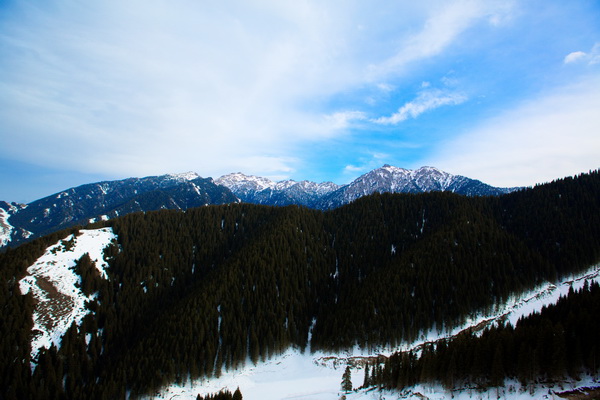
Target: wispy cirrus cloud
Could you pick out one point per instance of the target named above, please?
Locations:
(426, 100)
(442, 27)
(343, 119)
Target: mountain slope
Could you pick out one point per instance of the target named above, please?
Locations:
(327, 195)
(257, 190)
(399, 180)
(8, 232)
(106, 200)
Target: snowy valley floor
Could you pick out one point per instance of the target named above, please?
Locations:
(297, 376)
(306, 376)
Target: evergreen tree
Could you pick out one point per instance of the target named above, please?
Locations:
(347, 380)
(367, 381)
(237, 395)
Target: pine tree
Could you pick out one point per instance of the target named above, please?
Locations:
(347, 380)
(237, 395)
(497, 373)
(366, 382)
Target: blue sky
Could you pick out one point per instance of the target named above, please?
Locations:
(501, 91)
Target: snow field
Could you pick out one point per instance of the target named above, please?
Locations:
(52, 281)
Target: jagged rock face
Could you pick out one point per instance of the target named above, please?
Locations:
(105, 200)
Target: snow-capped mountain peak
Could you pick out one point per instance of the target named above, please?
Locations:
(243, 182)
(184, 176)
(254, 189)
(400, 180)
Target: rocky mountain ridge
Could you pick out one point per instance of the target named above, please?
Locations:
(109, 199)
(106, 200)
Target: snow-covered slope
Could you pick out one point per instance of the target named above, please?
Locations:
(53, 283)
(9, 232)
(6, 228)
(258, 190)
(306, 376)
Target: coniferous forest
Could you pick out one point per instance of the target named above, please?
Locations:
(561, 341)
(192, 293)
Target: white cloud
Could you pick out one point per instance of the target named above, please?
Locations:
(426, 100)
(545, 138)
(445, 23)
(575, 56)
(371, 161)
(591, 58)
(125, 88)
(343, 119)
(128, 88)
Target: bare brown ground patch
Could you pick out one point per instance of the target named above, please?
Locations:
(56, 305)
(581, 394)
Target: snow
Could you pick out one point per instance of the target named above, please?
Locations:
(292, 375)
(6, 229)
(239, 182)
(52, 281)
(512, 390)
(101, 218)
(301, 376)
(311, 376)
(104, 188)
(184, 176)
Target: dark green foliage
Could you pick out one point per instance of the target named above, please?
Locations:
(190, 293)
(90, 277)
(237, 395)
(542, 347)
(347, 380)
(222, 395)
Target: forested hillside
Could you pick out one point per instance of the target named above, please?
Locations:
(559, 342)
(192, 292)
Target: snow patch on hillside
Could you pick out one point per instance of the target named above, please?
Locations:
(6, 229)
(184, 176)
(312, 376)
(52, 281)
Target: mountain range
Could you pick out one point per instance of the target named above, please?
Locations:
(109, 199)
(129, 305)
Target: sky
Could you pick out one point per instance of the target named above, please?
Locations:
(507, 92)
